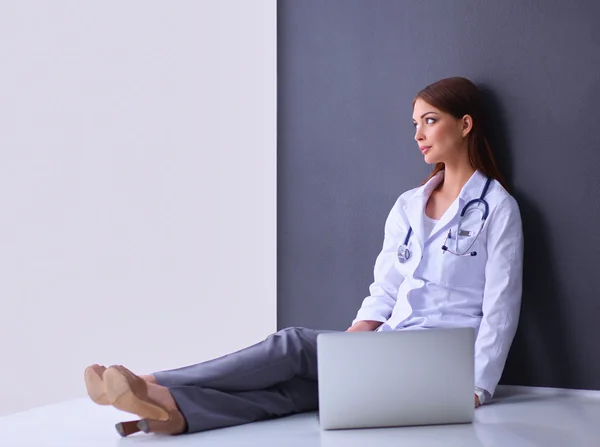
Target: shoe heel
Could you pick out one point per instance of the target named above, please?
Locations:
(168, 427)
(127, 428)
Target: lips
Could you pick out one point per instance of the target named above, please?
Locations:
(424, 149)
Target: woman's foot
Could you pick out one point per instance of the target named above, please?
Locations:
(94, 383)
(152, 402)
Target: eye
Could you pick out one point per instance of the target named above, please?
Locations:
(428, 120)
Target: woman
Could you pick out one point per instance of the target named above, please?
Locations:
(452, 257)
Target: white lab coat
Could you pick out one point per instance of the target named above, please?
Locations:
(437, 290)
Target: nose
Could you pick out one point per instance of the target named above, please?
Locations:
(419, 134)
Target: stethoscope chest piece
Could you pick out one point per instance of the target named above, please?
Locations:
(403, 253)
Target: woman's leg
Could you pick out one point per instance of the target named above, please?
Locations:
(272, 378)
(205, 408)
(280, 357)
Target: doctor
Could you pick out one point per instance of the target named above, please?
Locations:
(453, 270)
(452, 256)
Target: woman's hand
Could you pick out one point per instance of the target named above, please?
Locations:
(477, 401)
(364, 326)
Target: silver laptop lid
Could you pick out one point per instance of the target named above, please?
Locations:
(396, 378)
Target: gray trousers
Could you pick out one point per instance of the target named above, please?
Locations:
(273, 378)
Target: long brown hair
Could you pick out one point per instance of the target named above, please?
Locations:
(459, 97)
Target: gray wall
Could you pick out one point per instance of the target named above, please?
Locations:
(348, 71)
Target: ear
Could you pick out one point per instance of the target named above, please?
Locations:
(466, 125)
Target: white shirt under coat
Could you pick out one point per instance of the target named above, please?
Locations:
(436, 290)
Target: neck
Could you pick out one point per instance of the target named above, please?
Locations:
(455, 177)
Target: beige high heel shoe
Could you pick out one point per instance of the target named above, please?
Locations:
(94, 384)
(128, 392)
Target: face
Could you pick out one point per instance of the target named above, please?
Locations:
(440, 136)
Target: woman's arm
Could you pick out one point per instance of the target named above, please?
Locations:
(378, 306)
(364, 326)
(502, 294)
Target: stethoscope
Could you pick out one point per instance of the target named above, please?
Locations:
(404, 252)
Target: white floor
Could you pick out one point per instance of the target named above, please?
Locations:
(518, 417)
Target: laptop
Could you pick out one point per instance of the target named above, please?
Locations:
(396, 378)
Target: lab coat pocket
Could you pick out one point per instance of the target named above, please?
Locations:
(463, 265)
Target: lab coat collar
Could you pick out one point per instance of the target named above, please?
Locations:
(471, 190)
(415, 208)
